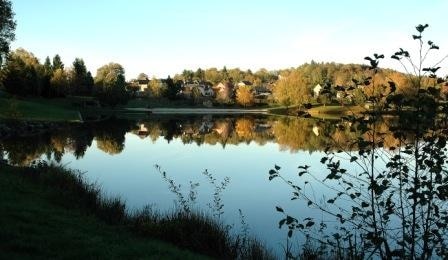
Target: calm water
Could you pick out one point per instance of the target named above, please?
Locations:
(121, 156)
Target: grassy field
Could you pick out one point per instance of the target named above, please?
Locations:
(38, 109)
(34, 224)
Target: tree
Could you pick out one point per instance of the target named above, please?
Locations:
(172, 89)
(59, 82)
(392, 202)
(142, 76)
(293, 89)
(23, 73)
(7, 27)
(80, 79)
(245, 96)
(187, 75)
(156, 87)
(47, 66)
(110, 84)
(199, 75)
(57, 62)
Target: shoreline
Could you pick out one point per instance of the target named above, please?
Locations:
(198, 110)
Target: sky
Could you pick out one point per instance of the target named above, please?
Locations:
(164, 37)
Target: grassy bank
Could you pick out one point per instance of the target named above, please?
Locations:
(38, 109)
(51, 212)
(36, 222)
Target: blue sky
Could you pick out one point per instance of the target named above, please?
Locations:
(164, 37)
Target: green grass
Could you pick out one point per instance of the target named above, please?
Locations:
(52, 212)
(38, 109)
(35, 223)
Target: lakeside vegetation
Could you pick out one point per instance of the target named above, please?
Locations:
(40, 220)
(61, 215)
(396, 192)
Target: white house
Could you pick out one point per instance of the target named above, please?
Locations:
(317, 89)
(206, 91)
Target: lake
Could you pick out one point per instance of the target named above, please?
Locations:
(121, 156)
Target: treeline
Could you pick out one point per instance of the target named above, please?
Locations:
(215, 76)
(24, 75)
(343, 83)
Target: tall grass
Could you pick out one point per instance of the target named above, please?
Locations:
(195, 231)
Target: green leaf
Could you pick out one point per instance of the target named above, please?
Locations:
(277, 167)
(310, 203)
(272, 171)
(354, 158)
(364, 204)
(301, 173)
(281, 223)
(279, 209)
(310, 224)
(290, 233)
(331, 201)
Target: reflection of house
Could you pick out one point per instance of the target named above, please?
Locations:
(142, 131)
(316, 130)
(317, 89)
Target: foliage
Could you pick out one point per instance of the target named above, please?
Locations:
(292, 90)
(81, 81)
(157, 88)
(245, 96)
(197, 231)
(110, 84)
(59, 82)
(57, 225)
(22, 75)
(172, 88)
(392, 203)
(7, 27)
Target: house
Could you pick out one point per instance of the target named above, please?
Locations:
(224, 90)
(317, 89)
(143, 84)
(206, 90)
(243, 83)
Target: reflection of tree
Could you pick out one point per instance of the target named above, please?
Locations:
(109, 144)
(244, 128)
(110, 135)
(290, 133)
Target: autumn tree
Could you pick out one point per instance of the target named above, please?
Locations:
(245, 96)
(156, 87)
(293, 89)
(110, 84)
(23, 73)
(59, 82)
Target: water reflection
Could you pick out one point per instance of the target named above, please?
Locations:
(290, 133)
